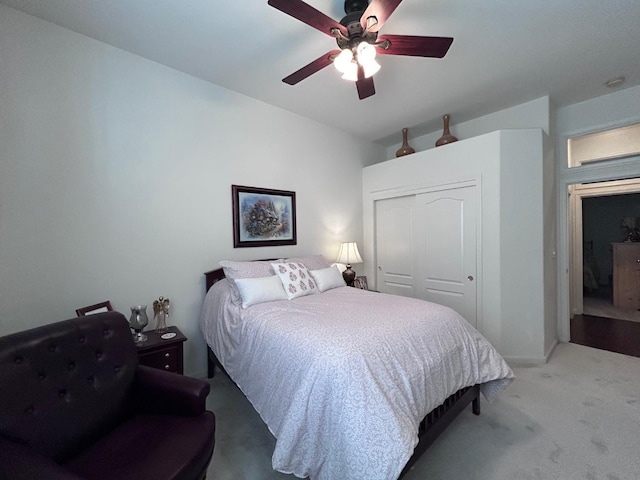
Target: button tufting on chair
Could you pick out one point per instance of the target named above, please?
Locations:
(96, 398)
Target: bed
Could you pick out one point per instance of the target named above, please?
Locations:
(353, 384)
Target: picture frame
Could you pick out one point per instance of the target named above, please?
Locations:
(361, 283)
(93, 309)
(263, 217)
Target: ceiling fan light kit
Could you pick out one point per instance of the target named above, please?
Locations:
(357, 37)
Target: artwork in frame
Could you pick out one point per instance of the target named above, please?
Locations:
(263, 217)
(93, 309)
(361, 282)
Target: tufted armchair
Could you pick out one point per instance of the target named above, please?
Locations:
(75, 404)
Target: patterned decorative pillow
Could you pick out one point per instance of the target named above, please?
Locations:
(312, 262)
(296, 279)
(328, 278)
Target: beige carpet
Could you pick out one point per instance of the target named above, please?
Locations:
(577, 417)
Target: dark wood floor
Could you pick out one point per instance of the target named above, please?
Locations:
(621, 336)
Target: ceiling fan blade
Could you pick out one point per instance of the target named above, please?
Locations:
(309, 15)
(414, 46)
(364, 85)
(313, 67)
(382, 10)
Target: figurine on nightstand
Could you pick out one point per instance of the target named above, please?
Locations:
(161, 313)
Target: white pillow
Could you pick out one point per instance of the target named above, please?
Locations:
(260, 290)
(328, 278)
(296, 279)
(235, 270)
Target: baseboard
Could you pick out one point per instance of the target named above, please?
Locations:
(528, 361)
(550, 350)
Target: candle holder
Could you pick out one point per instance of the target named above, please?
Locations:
(138, 321)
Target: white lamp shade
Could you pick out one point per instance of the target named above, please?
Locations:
(349, 253)
(371, 67)
(342, 61)
(351, 72)
(365, 52)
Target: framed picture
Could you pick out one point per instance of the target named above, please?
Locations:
(361, 282)
(93, 309)
(263, 217)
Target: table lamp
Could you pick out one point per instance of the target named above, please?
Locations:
(349, 254)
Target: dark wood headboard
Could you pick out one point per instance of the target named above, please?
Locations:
(212, 277)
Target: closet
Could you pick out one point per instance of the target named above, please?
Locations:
(426, 247)
(463, 225)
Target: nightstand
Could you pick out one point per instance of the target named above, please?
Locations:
(164, 354)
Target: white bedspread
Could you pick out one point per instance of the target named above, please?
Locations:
(343, 378)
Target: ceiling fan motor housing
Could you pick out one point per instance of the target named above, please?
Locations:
(355, 6)
(354, 10)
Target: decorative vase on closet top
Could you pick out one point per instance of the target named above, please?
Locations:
(446, 134)
(405, 149)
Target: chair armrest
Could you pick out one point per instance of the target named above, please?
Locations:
(19, 462)
(157, 391)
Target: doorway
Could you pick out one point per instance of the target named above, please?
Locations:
(600, 214)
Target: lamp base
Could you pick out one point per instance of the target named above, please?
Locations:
(349, 276)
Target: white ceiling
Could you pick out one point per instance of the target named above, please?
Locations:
(504, 52)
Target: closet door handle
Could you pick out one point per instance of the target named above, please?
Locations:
(470, 277)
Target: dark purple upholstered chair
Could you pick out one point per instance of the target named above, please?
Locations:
(75, 404)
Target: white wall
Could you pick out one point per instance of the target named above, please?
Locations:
(533, 114)
(116, 174)
(607, 111)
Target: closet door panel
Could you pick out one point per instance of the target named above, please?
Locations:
(446, 240)
(394, 245)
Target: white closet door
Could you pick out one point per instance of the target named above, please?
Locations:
(445, 240)
(394, 245)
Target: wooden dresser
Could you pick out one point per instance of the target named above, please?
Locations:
(626, 275)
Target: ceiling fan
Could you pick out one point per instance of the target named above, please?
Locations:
(358, 41)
